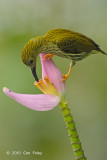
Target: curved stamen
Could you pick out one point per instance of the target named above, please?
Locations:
(46, 86)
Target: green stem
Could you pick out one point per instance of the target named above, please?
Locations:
(74, 137)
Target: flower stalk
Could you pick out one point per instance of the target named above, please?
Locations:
(72, 132)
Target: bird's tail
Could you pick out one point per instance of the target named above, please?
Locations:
(102, 51)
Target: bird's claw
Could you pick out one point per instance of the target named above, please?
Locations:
(47, 56)
(65, 77)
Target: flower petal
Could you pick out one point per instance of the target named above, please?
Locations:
(49, 69)
(39, 102)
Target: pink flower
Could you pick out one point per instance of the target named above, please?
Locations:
(51, 85)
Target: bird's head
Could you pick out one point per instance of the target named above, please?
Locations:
(30, 53)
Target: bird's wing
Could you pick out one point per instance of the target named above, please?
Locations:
(75, 43)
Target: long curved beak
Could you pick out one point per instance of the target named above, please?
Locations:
(34, 73)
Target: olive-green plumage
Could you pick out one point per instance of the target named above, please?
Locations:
(61, 42)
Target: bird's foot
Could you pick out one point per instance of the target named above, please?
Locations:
(65, 77)
(47, 56)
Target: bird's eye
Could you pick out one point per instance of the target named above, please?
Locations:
(31, 61)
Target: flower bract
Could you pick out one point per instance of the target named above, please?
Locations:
(51, 85)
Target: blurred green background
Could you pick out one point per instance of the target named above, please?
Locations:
(22, 129)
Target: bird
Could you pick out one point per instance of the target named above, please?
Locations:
(61, 42)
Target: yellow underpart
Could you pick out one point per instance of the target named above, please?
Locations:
(46, 87)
